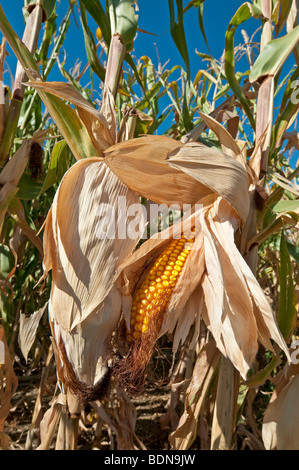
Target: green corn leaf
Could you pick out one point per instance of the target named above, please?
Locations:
(28, 188)
(57, 165)
(90, 46)
(274, 55)
(293, 251)
(287, 306)
(178, 32)
(123, 19)
(6, 261)
(198, 4)
(286, 6)
(244, 13)
(99, 15)
(287, 206)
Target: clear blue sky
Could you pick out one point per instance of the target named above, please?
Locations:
(153, 17)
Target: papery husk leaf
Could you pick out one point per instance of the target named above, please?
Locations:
(280, 424)
(10, 176)
(8, 381)
(15, 167)
(50, 421)
(236, 335)
(228, 144)
(27, 330)
(222, 174)
(135, 267)
(141, 164)
(190, 315)
(85, 303)
(17, 212)
(204, 369)
(229, 312)
(225, 409)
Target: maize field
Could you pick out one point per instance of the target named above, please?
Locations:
(149, 218)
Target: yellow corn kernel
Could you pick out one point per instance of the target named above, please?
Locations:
(152, 296)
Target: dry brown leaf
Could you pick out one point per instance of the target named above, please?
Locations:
(27, 330)
(228, 144)
(253, 318)
(141, 165)
(8, 384)
(50, 421)
(15, 167)
(204, 369)
(232, 120)
(264, 121)
(224, 175)
(280, 424)
(101, 126)
(225, 409)
(85, 303)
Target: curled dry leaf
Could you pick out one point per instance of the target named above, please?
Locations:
(233, 294)
(141, 165)
(203, 372)
(224, 175)
(215, 283)
(101, 125)
(8, 385)
(280, 423)
(28, 328)
(85, 304)
(10, 176)
(228, 144)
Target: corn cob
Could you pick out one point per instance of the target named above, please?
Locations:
(152, 296)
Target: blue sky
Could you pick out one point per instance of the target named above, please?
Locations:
(153, 17)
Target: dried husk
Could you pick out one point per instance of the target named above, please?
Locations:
(228, 144)
(85, 304)
(141, 164)
(237, 310)
(8, 385)
(203, 372)
(223, 174)
(28, 328)
(216, 283)
(10, 176)
(280, 423)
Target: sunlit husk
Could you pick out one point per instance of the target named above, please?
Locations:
(237, 310)
(217, 284)
(204, 369)
(223, 174)
(280, 423)
(85, 303)
(135, 267)
(141, 165)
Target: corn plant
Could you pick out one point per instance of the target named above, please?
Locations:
(222, 291)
